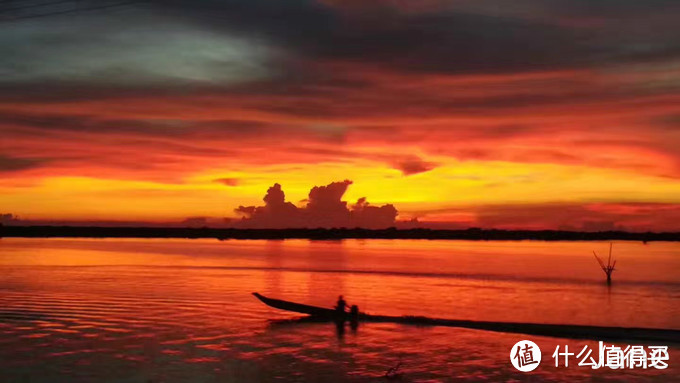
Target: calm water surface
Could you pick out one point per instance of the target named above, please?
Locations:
(77, 310)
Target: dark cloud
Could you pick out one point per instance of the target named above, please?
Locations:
(442, 40)
(451, 37)
(325, 208)
(178, 44)
(228, 181)
(568, 216)
(8, 219)
(89, 123)
(195, 222)
(276, 212)
(307, 41)
(13, 164)
(597, 226)
(137, 48)
(414, 165)
(608, 9)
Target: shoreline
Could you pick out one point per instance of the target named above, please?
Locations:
(328, 234)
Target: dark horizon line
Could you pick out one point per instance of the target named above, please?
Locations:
(328, 233)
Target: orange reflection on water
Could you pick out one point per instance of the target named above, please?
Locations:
(174, 308)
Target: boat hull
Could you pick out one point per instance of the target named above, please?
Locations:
(315, 311)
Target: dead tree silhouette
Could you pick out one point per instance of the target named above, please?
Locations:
(609, 267)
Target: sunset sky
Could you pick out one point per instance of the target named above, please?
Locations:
(559, 114)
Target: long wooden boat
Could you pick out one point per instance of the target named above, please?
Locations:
(661, 336)
(297, 307)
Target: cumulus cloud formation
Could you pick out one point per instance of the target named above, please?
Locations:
(325, 208)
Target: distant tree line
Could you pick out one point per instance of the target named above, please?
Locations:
(328, 234)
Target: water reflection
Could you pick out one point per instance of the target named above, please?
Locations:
(171, 311)
(274, 256)
(326, 255)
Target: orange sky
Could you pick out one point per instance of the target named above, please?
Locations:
(574, 126)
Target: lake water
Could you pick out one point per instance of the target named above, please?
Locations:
(112, 310)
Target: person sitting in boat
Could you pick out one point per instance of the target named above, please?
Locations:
(354, 315)
(341, 305)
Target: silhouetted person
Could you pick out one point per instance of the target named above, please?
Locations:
(354, 317)
(341, 305)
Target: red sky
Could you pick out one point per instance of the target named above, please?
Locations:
(543, 114)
